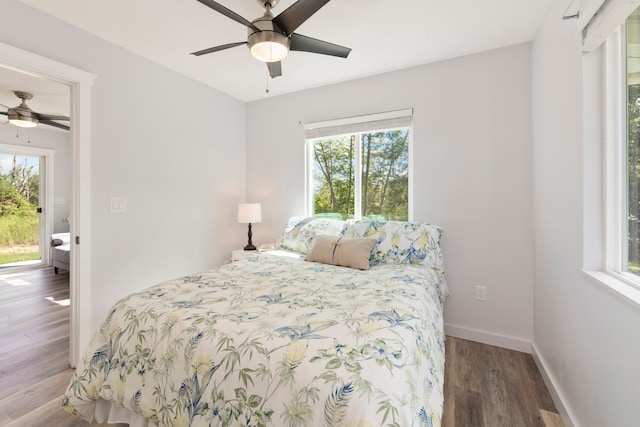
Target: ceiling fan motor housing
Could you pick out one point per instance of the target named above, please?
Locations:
(270, 44)
(22, 112)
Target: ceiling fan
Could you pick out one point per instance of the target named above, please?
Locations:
(23, 116)
(270, 39)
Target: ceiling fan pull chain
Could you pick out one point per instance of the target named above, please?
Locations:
(267, 90)
(28, 136)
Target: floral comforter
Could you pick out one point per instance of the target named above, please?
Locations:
(273, 341)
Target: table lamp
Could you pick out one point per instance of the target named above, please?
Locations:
(249, 213)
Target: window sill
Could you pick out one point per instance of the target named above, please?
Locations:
(615, 286)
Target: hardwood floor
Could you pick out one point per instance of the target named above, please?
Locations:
(34, 348)
(485, 386)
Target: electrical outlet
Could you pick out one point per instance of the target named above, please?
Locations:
(481, 293)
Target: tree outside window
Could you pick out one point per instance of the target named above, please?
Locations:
(369, 170)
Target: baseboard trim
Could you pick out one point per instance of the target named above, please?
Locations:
(505, 341)
(556, 394)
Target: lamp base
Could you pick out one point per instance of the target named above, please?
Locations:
(250, 246)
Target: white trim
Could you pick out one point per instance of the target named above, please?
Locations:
(587, 12)
(615, 286)
(80, 83)
(614, 119)
(47, 203)
(379, 122)
(604, 20)
(357, 177)
(410, 197)
(556, 394)
(484, 337)
(359, 119)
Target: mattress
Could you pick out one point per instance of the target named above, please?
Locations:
(271, 341)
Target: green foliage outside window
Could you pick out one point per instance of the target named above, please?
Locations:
(633, 177)
(383, 172)
(19, 221)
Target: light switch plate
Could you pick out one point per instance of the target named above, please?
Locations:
(118, 205)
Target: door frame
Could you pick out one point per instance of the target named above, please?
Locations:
(79, 82)
(46, 219)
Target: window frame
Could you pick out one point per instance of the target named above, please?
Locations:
(605, 210)
(360, 123)
(616, 125)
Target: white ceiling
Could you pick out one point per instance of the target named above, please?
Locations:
(384, 36)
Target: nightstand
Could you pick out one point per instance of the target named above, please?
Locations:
(240, 254)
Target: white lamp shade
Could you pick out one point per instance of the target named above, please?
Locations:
(249, 213)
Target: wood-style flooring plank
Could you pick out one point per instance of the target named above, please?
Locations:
(469, 409)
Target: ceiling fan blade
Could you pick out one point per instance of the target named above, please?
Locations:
(228, 13)
(217, 48)
(54, 124)
(295, 15)
(309, 44)
(42, 117)
(275, 69)
(4, 112)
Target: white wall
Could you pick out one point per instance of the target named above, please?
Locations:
(586, 338)
(59, 141)
(171, 146)
(472, 174)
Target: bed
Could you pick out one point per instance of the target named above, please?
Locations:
(60, 251)
(275, 340)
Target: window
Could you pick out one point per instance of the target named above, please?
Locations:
(359, 167)
(611, 156)
(621, 175)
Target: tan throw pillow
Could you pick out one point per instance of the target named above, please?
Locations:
(335, 250)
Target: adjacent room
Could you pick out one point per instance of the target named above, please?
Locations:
(439, 200)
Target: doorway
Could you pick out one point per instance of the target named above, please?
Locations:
(79, 82)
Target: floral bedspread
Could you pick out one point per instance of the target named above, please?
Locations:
(273, 341)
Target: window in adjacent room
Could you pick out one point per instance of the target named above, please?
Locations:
(359, 167)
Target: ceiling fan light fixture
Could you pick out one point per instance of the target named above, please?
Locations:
(269, 51)
(23, 122)
(269, 46)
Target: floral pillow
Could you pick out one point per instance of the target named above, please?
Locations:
(400, 242)
(300, 231)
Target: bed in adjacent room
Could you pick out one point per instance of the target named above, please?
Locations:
(60, 251)
(275, 340)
